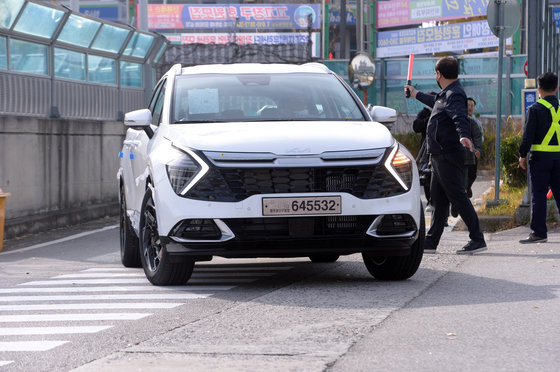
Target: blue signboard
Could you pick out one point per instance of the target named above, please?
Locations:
(556, 18)
(334, 17)
(529, 97)
(456, 36)
(106, 12)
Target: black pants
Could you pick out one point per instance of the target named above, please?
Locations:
(545, 173)
(471, 176)
(448, 185)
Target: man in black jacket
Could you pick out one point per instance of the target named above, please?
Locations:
(541, 136)
(447, 135)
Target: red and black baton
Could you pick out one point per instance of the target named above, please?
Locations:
(409, 76)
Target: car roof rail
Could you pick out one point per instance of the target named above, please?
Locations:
(176, 69)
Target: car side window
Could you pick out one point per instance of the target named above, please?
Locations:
(158, 105)
(153, 100)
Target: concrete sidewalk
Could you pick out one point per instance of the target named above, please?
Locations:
(495, 311)
(482, 185)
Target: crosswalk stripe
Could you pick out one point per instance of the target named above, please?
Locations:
(71, 317)
(5, 362)
(87, 281)
(133, 296)
(248, 268)
(136, 288)
(196, 268)
(231, 274)
(95, 269)
(92, 306)
(220, 280)
(100, 275)
(30, 345)
(129, 281)
(27, 331)
(128, 275)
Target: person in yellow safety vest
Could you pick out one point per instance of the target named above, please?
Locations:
(541, 137)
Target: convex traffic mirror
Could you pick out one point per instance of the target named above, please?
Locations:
(361, 71)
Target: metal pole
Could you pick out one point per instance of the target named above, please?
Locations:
(323, 45)
(327, 29)
(548, 38)
(383, 82)
(342, 32)
(543, 5)
(146, 68)
(509, 93)
(368, 27)
(372, 30)
(143, 15)
(359, 25)
(500, 23)
(533, 40)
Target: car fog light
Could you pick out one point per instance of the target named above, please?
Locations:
(197, 229)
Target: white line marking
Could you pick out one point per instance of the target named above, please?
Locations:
(71, 317)
(240, 269)
(30, 345)
(129, 275)
(136, 288)
(100, 275)
(96, 269)
(92, 306)
(224, 280)
(136, 296)
(130, 281)
(87, 281)
(196, 268)
(231, 274)
(5, 362)
(27, 331)
(71, 237)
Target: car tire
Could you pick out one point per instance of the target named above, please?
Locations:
(130, 248)
(155, 260)
(322, 258)
(398, 268)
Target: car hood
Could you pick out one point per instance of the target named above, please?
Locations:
(282, 138)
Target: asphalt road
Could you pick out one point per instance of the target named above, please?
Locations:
(496, 311)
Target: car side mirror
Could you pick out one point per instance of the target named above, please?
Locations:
(140, 119)
(382, 114)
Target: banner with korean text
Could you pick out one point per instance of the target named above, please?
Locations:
(228, 16)
(453, 37)
(408, 12)
(241, 38)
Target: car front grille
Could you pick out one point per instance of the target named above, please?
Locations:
(237, 184)
(302, 227)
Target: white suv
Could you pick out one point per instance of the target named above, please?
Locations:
(265, 160)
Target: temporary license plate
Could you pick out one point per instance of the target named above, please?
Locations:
(302, 206)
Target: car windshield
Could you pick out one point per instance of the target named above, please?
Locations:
(210, 98)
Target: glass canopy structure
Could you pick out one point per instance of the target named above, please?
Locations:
(44, 40)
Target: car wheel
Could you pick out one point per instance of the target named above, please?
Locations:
(156, 261)
(398, 268)
(130, 250)
(318, 258)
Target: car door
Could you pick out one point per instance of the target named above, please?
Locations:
(138, 143)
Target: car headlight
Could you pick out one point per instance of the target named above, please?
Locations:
(400, 166)
(185, 171)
